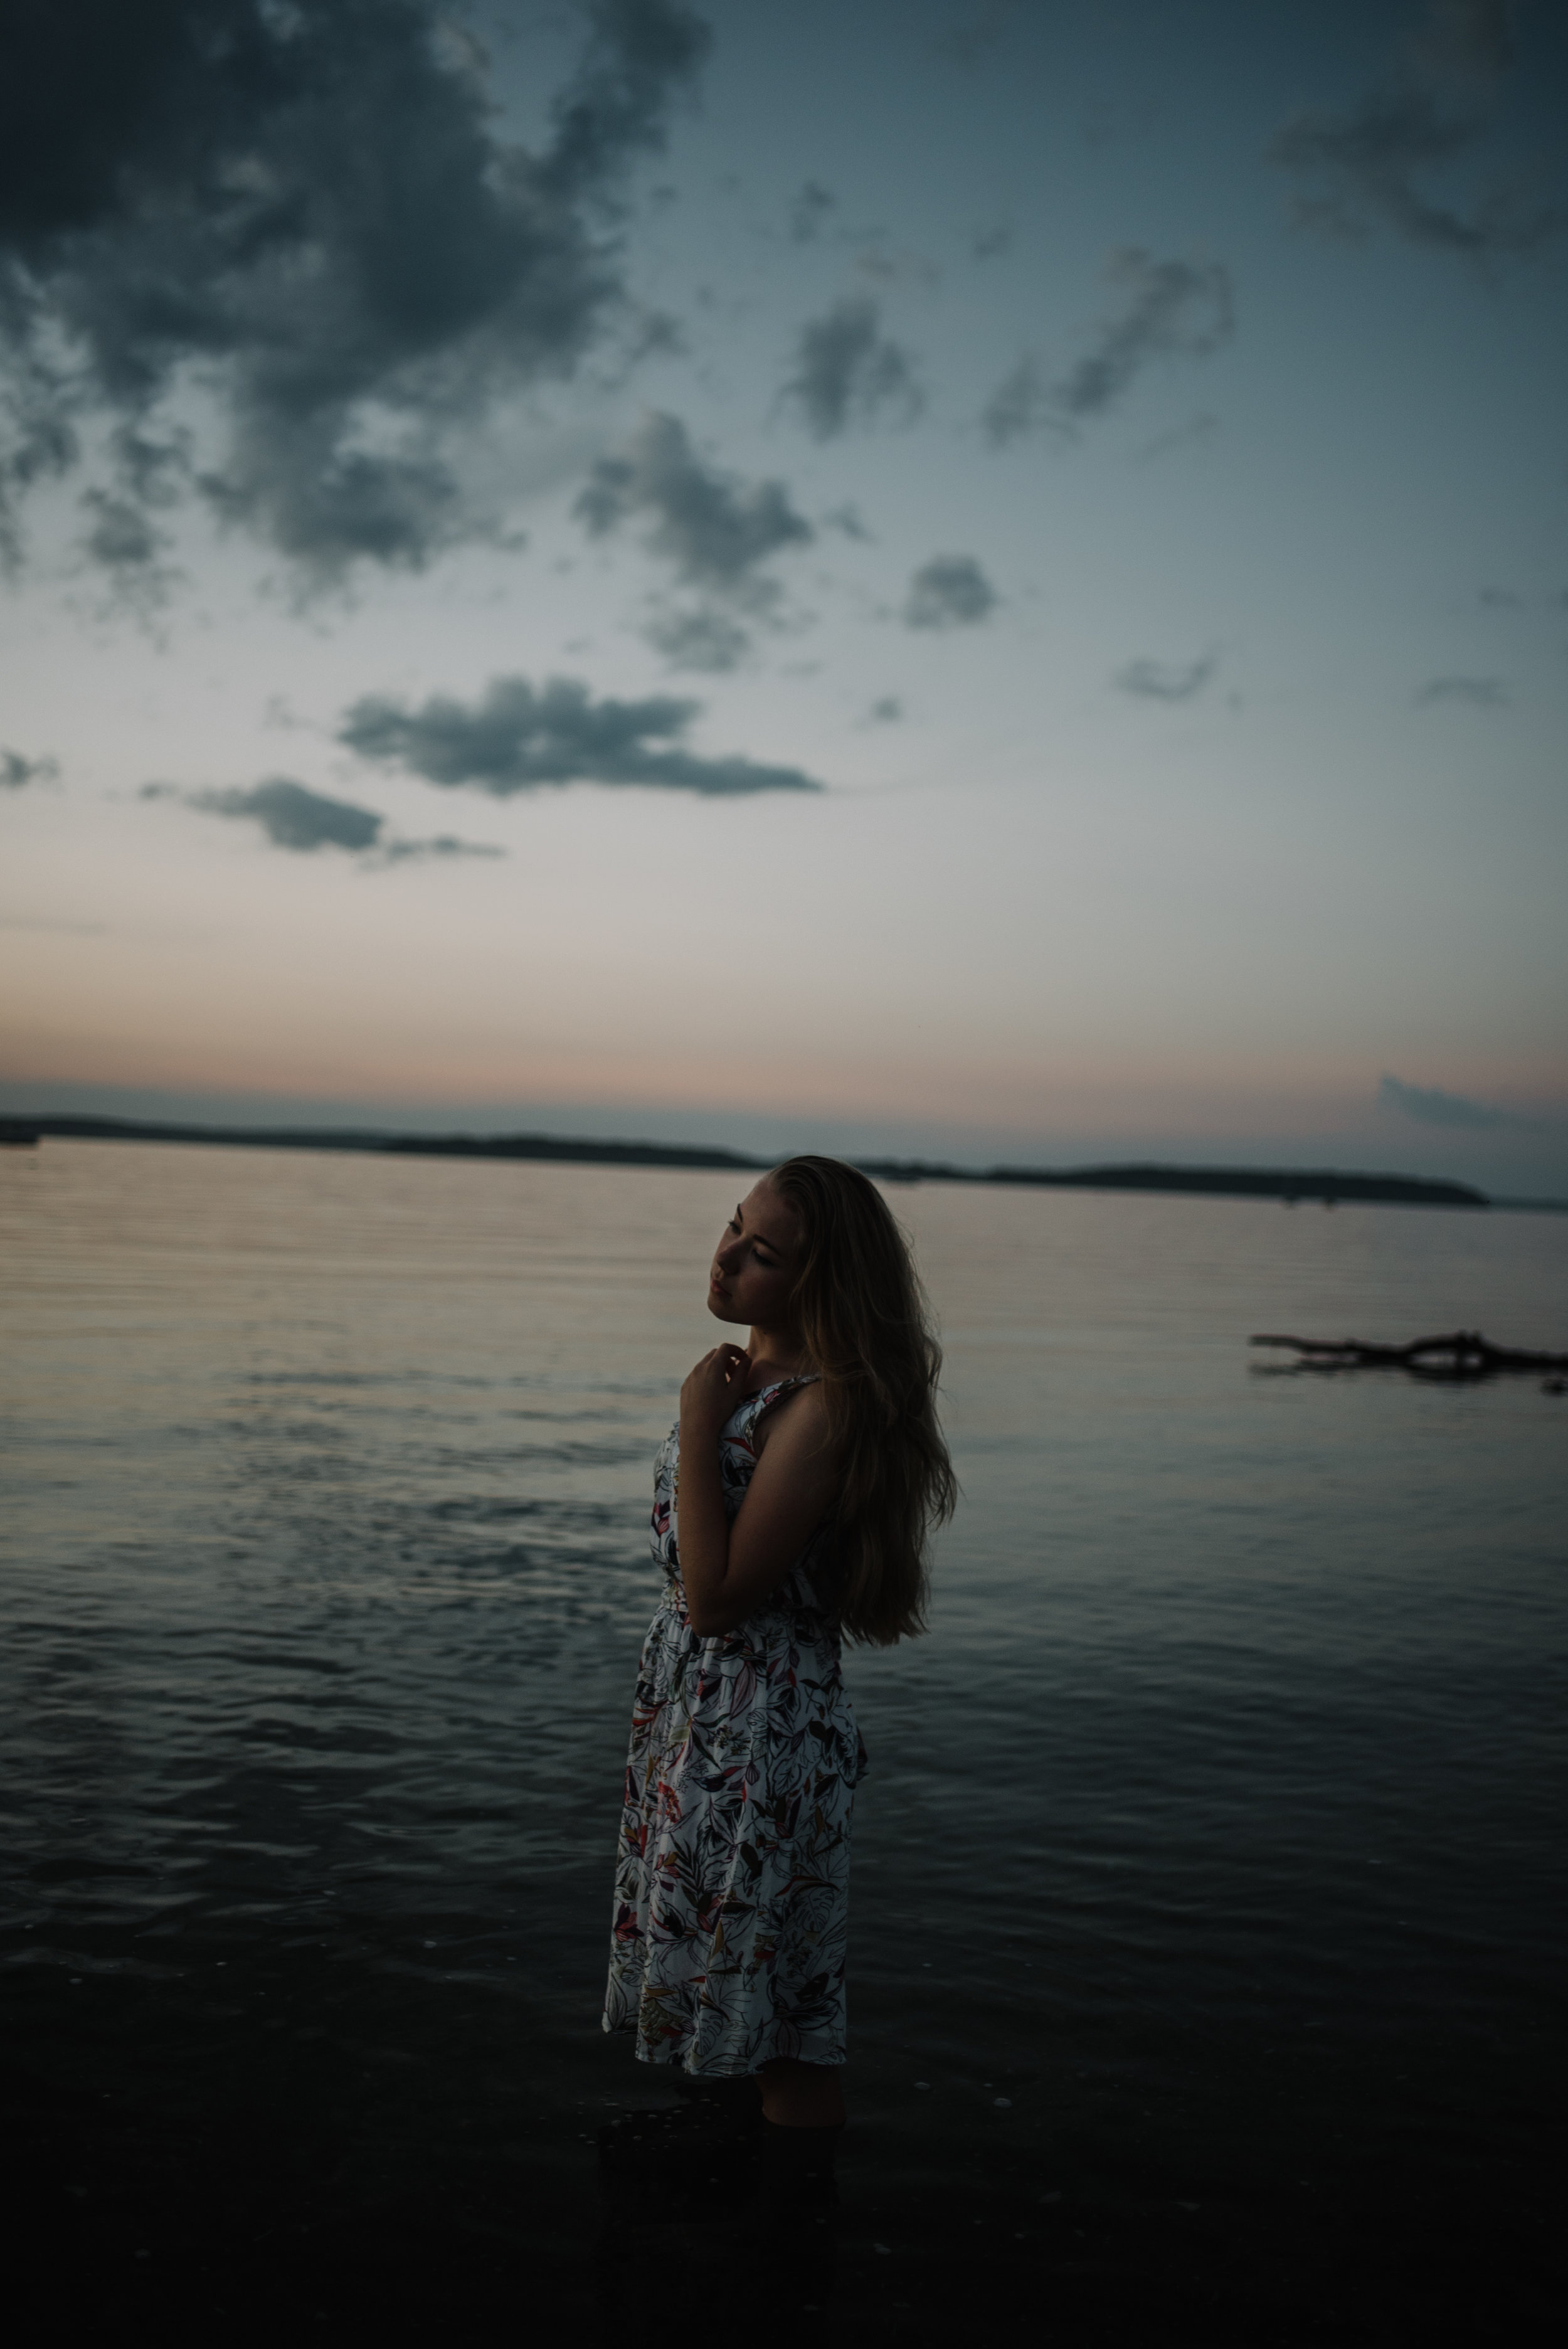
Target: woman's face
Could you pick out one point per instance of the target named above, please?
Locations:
(753, 1269)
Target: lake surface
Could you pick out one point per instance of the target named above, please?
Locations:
(1206, 1958)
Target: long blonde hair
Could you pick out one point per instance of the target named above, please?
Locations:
(864, 1322)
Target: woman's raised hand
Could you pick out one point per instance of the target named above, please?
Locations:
(713, 1389)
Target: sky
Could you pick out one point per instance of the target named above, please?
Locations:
(979, 578)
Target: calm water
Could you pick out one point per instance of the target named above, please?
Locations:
(1216, 1828)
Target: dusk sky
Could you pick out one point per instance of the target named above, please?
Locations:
(988, 581)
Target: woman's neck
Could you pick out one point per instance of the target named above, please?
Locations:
(780, 1353)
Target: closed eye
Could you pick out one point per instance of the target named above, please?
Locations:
(767, 1263)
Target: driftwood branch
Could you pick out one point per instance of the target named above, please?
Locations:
(1465, 1354)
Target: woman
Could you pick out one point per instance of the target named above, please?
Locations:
(791, 1506)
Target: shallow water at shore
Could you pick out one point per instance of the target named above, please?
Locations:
(1204, 1971)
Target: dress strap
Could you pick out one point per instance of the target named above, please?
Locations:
(751, 1407)
(781, 1386)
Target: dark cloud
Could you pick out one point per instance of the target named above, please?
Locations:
(306, 211)
(16, 772)
(1480, 692)
(848, 371)
(303, 821)
(37, 441)
(1152, 680)
(715, 530)
(519, 738)
(1375, 164)
(126, 539)
(123, 536)
(951, 591)
(290, 816)
(888, 711)
(702, 639)
(1428, 1105)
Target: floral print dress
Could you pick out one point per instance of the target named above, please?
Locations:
(732, 1875)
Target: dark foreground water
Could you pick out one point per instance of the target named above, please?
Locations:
(1206, 1973)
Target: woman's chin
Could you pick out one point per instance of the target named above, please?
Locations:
(721, 1308)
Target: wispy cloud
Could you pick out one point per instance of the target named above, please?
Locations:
(951, 591)
(1170, 308)
(1194, 434)
(1165, 309)
(125, 540)
(1480, 692)
(303, 820)
(311, 207)
(55, 929)
(394, 851)
(976, 34)
(16, 772)
(1154, 680)
(518, 737)
(1467, 40)
(848, 371)
(1514, 599)
(991, 242)
(1020, 403)
(700, 639)
(1430, 1105)
(1370, 161)
(847, 520)
(812, 211)
(1383, 160)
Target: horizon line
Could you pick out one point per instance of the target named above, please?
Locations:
(1330, 1186)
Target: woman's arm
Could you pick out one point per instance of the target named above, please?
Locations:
(729, 1570)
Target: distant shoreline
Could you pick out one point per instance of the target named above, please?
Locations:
(1327, 1187)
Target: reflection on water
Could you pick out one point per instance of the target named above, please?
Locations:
(1202, 1976)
